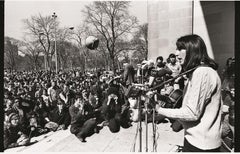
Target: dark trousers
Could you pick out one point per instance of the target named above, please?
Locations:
(116, 116)
(87, 129)
(187, 147)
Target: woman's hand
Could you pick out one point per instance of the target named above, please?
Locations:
(109, 99)
(115, 99)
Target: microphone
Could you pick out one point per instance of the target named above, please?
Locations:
(144, 64)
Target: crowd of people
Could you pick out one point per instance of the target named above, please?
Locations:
(37, 102)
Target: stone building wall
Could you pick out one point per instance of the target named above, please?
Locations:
(213, 21)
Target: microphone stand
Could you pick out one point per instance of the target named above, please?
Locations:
(140, 123)
(140, 115)
(154, 131)
(146, 124)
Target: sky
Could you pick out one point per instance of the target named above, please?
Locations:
(68, 13)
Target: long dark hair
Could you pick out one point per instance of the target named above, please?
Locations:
(196, 52)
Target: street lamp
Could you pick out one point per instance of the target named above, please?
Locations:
(55, 43)
(45, 58)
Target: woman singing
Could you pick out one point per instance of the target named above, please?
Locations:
(200, 113)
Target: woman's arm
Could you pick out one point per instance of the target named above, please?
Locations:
(197, 96)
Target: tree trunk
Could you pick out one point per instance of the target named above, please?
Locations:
(48, 62)
(112, 63)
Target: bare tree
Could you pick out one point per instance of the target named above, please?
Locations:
(63, 46)
(79, 34)
(140, 41)
(10, 54)
(112, 20)
(33, 50)
(42, 29)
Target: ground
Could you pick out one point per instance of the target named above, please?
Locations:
(105, 141)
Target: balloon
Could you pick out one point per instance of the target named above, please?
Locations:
(92, 42)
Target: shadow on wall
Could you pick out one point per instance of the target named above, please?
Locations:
(219, 18)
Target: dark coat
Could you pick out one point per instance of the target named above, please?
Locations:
(41, 113)
(77, 116)
(60, 118)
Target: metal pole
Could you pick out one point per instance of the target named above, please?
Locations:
(146, 124)
(45, 62)
(85, 62)
(154, 132)
(140, 123)
(55, 43)
(56, 60)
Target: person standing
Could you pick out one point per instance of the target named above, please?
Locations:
(52, 93)
(173, 65)
(200, 113)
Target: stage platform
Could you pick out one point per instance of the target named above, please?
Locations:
(105, 141)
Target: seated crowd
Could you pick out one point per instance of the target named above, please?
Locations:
(36, 103)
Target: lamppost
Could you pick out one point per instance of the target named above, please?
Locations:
(55, 43)
(45, 56)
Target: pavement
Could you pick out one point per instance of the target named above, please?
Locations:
(124, 141)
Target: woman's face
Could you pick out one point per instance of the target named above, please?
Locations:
(181, 55)
(33, 121)
(14, 121)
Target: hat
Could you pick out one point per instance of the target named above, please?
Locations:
(113, 90)
(172, 55)
(12, 115)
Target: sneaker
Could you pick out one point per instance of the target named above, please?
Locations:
(104, 123)
(82, 139)
(96, 130)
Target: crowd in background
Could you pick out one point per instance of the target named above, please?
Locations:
(39, 102)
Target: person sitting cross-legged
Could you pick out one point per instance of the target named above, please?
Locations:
(60, 115)
(112, 111)
(82, 125)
